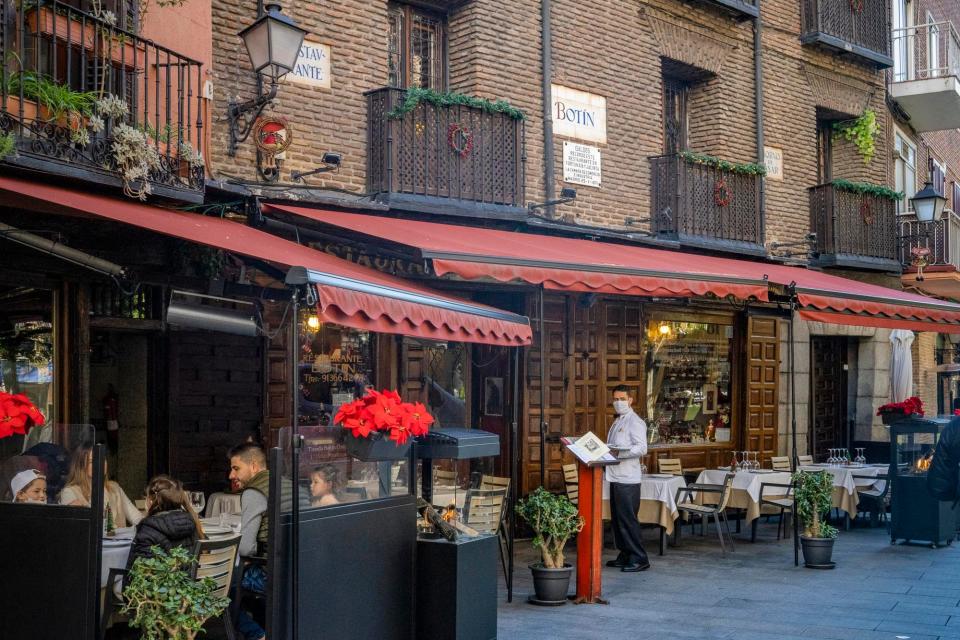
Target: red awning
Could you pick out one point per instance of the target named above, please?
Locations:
(349, 294)
(584, 265)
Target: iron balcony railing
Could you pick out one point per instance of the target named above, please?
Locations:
(853, 229)
(455, 153)
(60, 62)
(861, 27)
(941, 239)
(738, 7)
(949, 355)
(925, 51)
(690, 200)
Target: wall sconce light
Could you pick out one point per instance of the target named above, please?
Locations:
(665, 329)
(273, 43)
(567, 194)
(928, 204)
(331, 162)
(313, 322)
(211, 313)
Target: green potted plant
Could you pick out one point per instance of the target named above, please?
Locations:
(553, 519)
(165, 601)
(813, 498)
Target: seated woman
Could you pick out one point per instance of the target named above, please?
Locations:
(325, 484)
(29, 486)
(76, 491)
(170, 521)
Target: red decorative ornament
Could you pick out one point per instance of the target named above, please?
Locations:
(384, 411)
(856, 6)
(866, 212)
(721, 193)
(460, 140)
(17, 414)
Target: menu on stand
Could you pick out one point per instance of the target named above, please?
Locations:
(589, 448)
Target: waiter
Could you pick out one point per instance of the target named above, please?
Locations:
(627, 440)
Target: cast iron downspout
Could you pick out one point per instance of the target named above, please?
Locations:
(543, 397)
(547, 69)
(793, 416)
(758, 96)
(295, 462)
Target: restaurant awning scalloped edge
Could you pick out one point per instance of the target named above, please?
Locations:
(350, 294)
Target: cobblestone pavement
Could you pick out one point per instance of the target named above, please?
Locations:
(877, 591)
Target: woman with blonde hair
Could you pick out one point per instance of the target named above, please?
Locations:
(76, 492)
(170, 521)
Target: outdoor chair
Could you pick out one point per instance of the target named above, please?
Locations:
(804, 460)
(780, 463)
(781, 500)
(718, 512)
(873, 500)
(443, 478)
(497, 483)
(571, 481)
(671, 466)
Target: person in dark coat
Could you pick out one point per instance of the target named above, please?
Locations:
(170, 522)
(943, 477)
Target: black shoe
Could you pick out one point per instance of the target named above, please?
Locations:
(617, 564)
(633, 568)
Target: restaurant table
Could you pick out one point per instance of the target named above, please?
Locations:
(845, 486)
(658, 500)
(745, 490)
(116, 550)
(222, 502)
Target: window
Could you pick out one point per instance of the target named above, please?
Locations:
(905, 169)
(938, 176)
(416, 55)
(824, 151)
(675, 118)
(956, 196)
(902, 39)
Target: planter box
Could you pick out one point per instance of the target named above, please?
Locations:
(889, 417)
(376, 448)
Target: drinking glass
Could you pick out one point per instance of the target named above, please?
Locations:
(831, 458)
(198, 500)
(756, 462)
(743, 461)
(861, 459)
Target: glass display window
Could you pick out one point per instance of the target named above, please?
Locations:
(688, 387)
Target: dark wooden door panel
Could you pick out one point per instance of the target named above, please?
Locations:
(828, 394)
(763, 377)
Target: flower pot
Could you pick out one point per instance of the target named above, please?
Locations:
(551, 585)
(817, 551)
(889, 417)
(375, 448)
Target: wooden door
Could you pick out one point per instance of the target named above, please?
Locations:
(623, 358)
(763, 377)
(828, 394)
(586, 405)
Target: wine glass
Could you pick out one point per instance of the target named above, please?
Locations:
(861, 459)
(198, 500)
(756, 462)
(831, 458)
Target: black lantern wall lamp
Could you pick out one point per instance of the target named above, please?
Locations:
(273, 43)
(928, 205)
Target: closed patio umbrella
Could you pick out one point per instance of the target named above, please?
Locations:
(901, 365)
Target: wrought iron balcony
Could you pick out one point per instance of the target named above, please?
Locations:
(739, 8)
(941, 239)
(853, 229)
(701, 205)
(925, 79)
(454, 159)
(858, 27)
(62, 69)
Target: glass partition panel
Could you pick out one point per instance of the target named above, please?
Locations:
(57, 458)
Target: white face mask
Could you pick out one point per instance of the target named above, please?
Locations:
(621, 407)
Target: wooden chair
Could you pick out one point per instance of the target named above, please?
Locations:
(673, 466)
(780, 463)
(781, 500)
(494, 483)
(872, 499)
(718, 511)
(444, 478)
(805, 459)
(483, 508)
(571, 480)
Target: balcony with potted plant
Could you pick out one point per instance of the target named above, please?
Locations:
(708, 202)
(445, 153)
(84, 99)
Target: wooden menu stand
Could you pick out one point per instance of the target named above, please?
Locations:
(590, 538)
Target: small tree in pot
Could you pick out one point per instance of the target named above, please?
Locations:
(813, 498)
(553, 519)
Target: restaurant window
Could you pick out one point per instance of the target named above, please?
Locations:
(675, 115)
(905, 169)
(688, 381)
(417, 42)
(445, 367)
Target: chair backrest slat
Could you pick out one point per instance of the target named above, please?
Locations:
(670, 465)
(725, 494)
(805, 459)
(444, 478)
(780, 463)
(483, 509)
(216, 559)
(571, 480)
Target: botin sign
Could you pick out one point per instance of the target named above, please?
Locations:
(578, 114)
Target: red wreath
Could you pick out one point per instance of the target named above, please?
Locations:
(866, 213)
(721, 193)
(460, 140)
(856, 6)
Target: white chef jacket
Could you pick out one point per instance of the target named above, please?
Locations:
(628, 430)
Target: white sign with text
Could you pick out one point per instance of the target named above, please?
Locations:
(773, 159)
(581, 164)
(313, 66)
(578, 114)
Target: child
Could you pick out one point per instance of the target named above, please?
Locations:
(324, 486)
(170, 521)
(29, 486)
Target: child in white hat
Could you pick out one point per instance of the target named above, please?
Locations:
(29, 486)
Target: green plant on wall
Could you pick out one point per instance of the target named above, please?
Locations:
(862, 132)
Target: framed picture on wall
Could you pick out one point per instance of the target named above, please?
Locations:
(493, 396)
(709, 399)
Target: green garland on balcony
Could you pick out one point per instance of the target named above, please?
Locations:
(417, 95)
(866, 188)
(743, 168)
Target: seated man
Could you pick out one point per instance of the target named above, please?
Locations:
(248, 468)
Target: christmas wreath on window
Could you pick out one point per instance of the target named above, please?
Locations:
(460, 140)
(721, 193)
(866, 212)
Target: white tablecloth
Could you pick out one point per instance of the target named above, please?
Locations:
(221, 502)
(658, 500)
(747, 481)
(116, 550)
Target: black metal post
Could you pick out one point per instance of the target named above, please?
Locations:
(295, 441)
(96, 519)
(543, 397)
(793, 416)
(514, 471)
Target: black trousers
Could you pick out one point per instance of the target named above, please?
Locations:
(624, 504)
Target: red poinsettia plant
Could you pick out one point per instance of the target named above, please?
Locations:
(17, 414)
(910, 406)
(384, 412)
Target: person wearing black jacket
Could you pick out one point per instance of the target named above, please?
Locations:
(943, 477)
(170, 522)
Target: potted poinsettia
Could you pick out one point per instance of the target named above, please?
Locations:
(893, 411)
(17, 414)
(379, 425)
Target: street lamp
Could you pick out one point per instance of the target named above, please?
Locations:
(273, 43)
(928, 204)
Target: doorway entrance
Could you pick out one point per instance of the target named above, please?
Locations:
(828, 394)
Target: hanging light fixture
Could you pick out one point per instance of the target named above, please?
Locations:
(928, 204)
